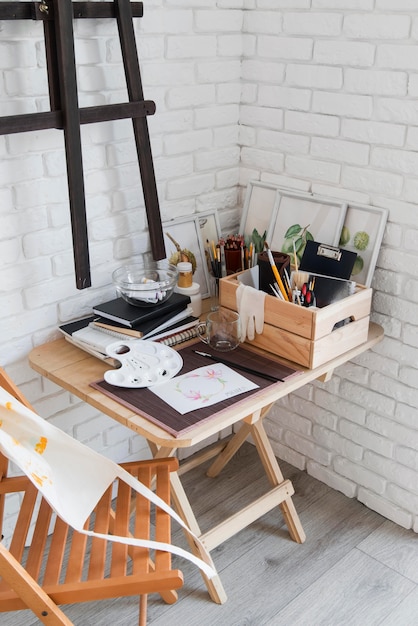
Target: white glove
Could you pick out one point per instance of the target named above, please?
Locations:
(250, 306)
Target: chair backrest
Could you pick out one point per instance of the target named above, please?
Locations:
(93, 519)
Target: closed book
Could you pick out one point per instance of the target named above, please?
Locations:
(71, 327)
(184, 324)
(87, 324)
(74, 333)
(153, 326)
(86, 348)
(105, 324)
(118, 310)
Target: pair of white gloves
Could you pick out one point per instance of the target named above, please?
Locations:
(250, 306)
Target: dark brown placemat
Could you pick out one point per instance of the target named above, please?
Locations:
(150, 406)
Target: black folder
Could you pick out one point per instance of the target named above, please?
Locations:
(320, 258)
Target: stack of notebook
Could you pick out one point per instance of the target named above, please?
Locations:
(142, 321)
(170, 322)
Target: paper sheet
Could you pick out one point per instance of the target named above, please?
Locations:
(202, 387)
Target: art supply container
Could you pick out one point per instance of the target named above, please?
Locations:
(308, 336)
(282, 262)
(233, 260)
(195, 297)
(185, 274)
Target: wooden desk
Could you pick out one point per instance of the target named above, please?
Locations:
(74, 370)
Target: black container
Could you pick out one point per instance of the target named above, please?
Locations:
(266, 276)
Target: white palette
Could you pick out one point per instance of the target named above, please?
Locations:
(143, 363)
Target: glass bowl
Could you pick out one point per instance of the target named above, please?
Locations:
(145, 285)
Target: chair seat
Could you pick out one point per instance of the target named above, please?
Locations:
(88, 591)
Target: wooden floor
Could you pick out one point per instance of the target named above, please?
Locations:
(355, 568)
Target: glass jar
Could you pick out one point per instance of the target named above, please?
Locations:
(185, 274)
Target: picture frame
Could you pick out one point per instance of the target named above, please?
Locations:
(298, 215)
(362, 232)
(191, 232)
(259, 206)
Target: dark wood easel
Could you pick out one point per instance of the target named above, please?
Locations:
(57, 17)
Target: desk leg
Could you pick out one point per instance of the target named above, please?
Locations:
(236, 442)
(158, 452)
(253, 425)
(228, 452)
(275, 476)
(182, 505)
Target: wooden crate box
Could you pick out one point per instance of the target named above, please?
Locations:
(307, 335)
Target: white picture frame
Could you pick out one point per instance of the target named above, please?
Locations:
(322, 217)
(362, 232)
(259, 206)
(191, 232)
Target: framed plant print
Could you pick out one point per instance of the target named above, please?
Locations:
(362, 233)
(191, 232)
(301, 216)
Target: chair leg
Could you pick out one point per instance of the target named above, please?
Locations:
(30, 592)
(143, 605)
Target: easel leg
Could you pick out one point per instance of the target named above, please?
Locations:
(72, 137)
(140, 126)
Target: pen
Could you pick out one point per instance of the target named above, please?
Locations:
(237, 366)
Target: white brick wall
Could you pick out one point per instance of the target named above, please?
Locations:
(319, 94)
(346, 85)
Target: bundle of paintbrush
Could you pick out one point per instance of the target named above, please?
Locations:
(216, 261)
(298, 278)
(229, 256)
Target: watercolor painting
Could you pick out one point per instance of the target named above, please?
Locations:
(202, 387)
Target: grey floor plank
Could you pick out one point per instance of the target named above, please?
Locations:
(262, 560)
(395, 547)
(356, 591)
(405, 613)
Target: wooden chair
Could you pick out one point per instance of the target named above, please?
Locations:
(61, 565)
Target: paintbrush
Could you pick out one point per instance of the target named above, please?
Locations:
(298, 278)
